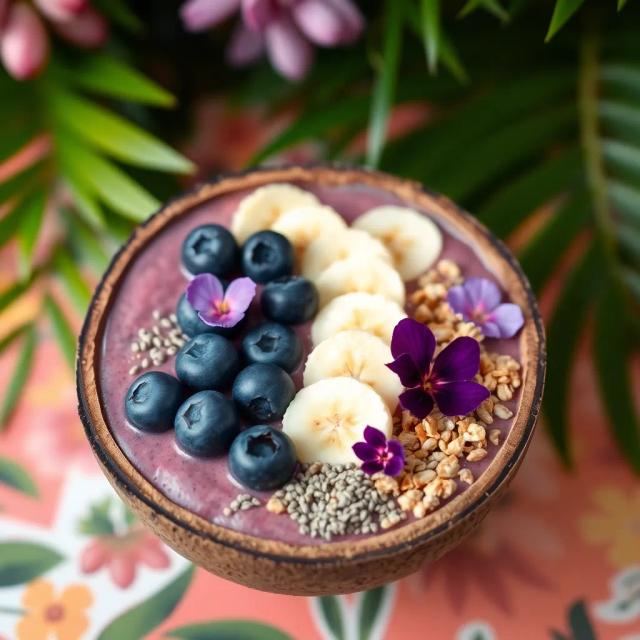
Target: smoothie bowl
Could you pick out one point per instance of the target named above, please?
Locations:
(311, 380)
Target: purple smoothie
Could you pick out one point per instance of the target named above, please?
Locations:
(155, 280)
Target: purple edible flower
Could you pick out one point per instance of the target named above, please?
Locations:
(217, 307)
(379, 454)
(448, 382)
(478, 301)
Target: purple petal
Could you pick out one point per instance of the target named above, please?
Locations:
(244, 47)
(416, 339)
(370, 467)
(459, 360)
(375, 437)
(289, 52)
(416, 402)
(405, 369)
(198, 15)
(460, 397)
(203, 291)
(353, 19)
(320, 22)
(508, 319)
(481, 291)
(365, 451)
(257, 14)
(395, 448)
(394, 466)
(457, 299)
(239, 294)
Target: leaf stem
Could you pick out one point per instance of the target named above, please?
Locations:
(589, 69)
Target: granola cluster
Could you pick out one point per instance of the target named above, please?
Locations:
(438, 448)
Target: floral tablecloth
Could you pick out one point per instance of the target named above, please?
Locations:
(559, 558)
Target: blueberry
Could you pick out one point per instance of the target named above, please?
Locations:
(272, 343)
(152, 401)
(292, 300)
(267, 255)
(207, 361)
(210, 249)
(262, 458)
(263, 392)
(191, 325)
(206, 424)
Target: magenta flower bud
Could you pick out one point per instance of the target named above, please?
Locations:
(61, 10)
(89, 29)
(24, 45)
(257, 14)
(198, 15)
(328, 23)
(290, 54)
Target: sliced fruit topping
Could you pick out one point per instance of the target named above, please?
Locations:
(327, 249)
(210, 248)
(262, 458)
(365, 311)
(360, 273)
(414, 241)
(206, 424)
(267, 255)
(207, 361)
(262, 392)
(303, 225)
(260, 209)
(152, 400)
(327, 418)
(273, 343)
(359, 355)
(291, 300)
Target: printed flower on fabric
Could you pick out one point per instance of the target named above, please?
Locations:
(379, 454)
(49, 615)
(447, 381)
(478, 300)
(217, 307)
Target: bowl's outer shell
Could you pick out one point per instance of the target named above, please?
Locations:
(334, 567)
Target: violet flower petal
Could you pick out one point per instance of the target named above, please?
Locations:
(320, 22)
(459, 360)
(416, 402)
(198, 15)
(395, 448)
(458, 300)
(508, 318)
(460, 397)
(416, 339)
(394, 466)
(481, 291)
(239, 294)
(405, 369)
(490, 329)
(365, 451)
(372, 466)
(203, 291)
(244, 47)
(375, 437)
(289, 52)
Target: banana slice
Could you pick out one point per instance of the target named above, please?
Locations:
(365, 311)
(327, 418)
(326, 250)
(415, 242)
(356, 354)
(303, 225)
(260, 209)
(360, 273)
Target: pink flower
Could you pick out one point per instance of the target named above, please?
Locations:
(122, 554)
(60, 10)
(286, 29)
(87, 30)
(216, 307)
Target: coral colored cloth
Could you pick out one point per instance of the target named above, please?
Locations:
(561, 553)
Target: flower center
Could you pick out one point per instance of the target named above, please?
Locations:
(479, 314)
(54, 613)
(221, 307)
(427, 384)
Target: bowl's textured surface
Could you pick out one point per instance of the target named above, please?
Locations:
(335, 567)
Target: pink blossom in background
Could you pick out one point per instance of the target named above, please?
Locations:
(24, 42)
(285, 30)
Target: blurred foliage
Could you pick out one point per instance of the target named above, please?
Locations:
(533, 125)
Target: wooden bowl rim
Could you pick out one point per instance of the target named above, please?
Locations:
(400, 539)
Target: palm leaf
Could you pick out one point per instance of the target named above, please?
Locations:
(563, 10)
